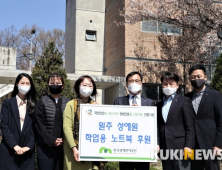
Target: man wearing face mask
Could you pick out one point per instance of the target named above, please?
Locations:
(207, 104)
(175, 119)
(134, 85)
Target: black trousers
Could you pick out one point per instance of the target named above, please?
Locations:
(169, 164)
(132, 165)
(176, 164)
(49, 158)
(204, 164)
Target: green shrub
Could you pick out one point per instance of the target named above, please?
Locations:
(152, 168)
(112, 166)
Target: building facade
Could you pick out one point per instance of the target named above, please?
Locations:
(84, 45)
(96, 45)
(7, 63)
(7, 58)
(136, 47)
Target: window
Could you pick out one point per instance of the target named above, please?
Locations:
(155, 92)
(149, 26)
(169, 29)
(90, 35)
(156, 27)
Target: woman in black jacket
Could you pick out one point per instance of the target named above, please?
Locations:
(48, 120)
(18, 142)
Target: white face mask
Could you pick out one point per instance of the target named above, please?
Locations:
(85, 91)
(24, 89)
(169, 90)
(134, 88)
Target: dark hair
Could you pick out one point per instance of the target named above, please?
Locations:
(169, 76)
(197, 67)
(133, 73)
(59, 76)
(30, 96)
(80, 80)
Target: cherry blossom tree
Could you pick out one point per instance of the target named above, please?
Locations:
(199, 20)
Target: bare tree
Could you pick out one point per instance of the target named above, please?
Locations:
(9, 37)
(21, 39)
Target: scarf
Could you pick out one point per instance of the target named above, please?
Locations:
(77, 103)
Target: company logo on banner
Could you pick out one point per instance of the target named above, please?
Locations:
(105, 150)
(89, 112)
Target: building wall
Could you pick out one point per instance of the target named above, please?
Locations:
(140, 44)
(114, 36)
(70, 43)
(128, 49)
(117, 70)
(126, 42)
(85, 57)
(89, 54)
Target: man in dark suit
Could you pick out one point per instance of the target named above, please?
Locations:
(134, 86)
(207, 104)
(175, 119)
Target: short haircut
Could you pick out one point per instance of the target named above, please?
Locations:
(133, 73)
(197, 67)
(59, 76)
(169, 76)
(80, 80)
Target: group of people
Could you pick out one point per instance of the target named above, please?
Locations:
(51, 124)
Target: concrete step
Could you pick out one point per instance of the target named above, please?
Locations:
(5, 89)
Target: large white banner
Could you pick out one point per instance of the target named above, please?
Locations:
(117, 133)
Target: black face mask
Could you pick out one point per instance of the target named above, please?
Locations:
(198, 83)
(55, 89)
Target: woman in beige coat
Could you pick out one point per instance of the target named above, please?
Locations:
(84, 88)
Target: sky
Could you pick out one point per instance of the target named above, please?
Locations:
(47, 14)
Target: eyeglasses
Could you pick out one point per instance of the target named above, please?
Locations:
(132, 81)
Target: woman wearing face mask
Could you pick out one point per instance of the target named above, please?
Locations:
(84, 88)
(48, 125)
(18, 142)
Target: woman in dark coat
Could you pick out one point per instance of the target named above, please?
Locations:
(48, 125)
(18, 142)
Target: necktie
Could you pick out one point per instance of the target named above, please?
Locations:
(134, 100)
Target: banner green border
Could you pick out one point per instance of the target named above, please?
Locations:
(124, 158)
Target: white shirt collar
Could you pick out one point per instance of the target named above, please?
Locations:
(138, 96)
(20, 100)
